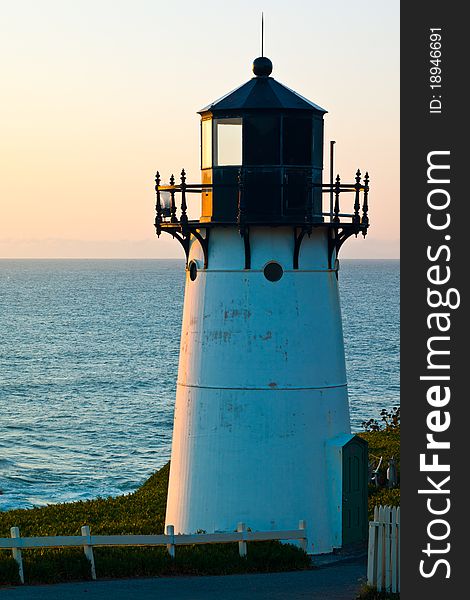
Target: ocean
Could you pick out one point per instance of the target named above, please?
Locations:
(88, 365)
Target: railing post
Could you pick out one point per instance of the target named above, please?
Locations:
(303, 541)
(332, 144)
(173, 217)
(170, 532)
(241, 528)
(88, 549)
(337, 192)
(15, 533)
(158, 205)
(365, 206)
(184, 207)
(357, 204)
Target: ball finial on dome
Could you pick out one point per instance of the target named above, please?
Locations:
(262, 66)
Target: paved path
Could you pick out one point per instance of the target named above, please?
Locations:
(340, 581)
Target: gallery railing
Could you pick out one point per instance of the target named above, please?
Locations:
(167, 207)
(171, 216)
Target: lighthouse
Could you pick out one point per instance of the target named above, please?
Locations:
(261, 425)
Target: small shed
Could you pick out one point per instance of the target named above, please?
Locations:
(347, 459)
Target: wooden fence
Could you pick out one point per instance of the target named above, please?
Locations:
(242, 535)
(383, 561)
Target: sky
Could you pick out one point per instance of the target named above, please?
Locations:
(95, 96)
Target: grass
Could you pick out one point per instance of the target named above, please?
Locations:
(70, 564)
(143, 512)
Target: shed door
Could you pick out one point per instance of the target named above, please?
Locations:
(355, 472)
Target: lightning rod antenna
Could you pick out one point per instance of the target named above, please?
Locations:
(262, 34)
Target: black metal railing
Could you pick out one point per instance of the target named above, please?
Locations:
(166, 204)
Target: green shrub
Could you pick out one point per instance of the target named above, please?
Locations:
(70, 564)
(382, 496)
(385, 443)
(207, 559)
(8, 569)
(389, 421)
(54, 565)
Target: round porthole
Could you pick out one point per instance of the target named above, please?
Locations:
(273, 271)
(192, 270)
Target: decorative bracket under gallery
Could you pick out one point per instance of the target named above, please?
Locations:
(184, 238)
(298, 237)
(336, 238)
(245, 234)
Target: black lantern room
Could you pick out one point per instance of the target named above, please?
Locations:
(267, 139)
(261, 165)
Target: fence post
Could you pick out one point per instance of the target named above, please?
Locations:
(372, 555)
(88, 549)
(388, 548)
(170, 531)
(303, 541)
(394, 551)
(241, 528)
(398, 551)
(380, 550)
(15, 533)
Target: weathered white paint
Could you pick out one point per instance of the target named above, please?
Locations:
(261, 389)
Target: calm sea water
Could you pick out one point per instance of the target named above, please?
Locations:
(88, 364)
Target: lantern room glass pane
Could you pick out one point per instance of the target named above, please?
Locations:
(206, 143)
(228, 142)
(297, 141)
(262, 140)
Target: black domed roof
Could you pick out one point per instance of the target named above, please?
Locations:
(262, 92)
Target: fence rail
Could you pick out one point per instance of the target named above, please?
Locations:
(383, 561)
(242, 535)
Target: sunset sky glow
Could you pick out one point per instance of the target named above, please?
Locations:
(97, 95)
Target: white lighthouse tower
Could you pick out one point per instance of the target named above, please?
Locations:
(261, 427)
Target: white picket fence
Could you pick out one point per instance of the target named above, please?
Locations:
(383, 561)
(242, 535)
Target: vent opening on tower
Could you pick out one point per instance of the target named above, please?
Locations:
(192, 270)
(273, 271)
